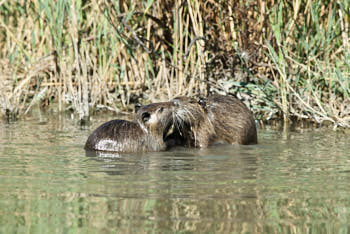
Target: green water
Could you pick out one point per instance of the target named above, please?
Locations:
(291, 182)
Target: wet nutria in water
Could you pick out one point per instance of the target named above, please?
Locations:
(192, 126)
(233, 121)
(145, 133)
(218, 118)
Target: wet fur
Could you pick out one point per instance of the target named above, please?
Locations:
(192, 127)
(233, 121)
(218, 118)
(145, 133)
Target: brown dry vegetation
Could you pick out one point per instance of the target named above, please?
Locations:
(285, 59)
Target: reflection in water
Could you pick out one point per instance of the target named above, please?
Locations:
(295, 182)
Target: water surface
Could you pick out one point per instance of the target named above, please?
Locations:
(291, 182)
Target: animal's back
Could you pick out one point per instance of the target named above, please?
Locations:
(117, 136)
(232, 120)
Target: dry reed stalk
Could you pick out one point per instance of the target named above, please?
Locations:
(110, 54)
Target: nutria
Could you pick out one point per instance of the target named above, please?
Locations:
(192, 126)
(146, 133)
(217, 118)
(233, 121)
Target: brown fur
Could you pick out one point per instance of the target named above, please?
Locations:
(145, 133)
(217, 118)
(192, 126)
(233, 121)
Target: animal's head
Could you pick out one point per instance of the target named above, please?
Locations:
(156, 118)
(188, 110)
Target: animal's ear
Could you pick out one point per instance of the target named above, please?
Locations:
(145, 116)
(137, 107)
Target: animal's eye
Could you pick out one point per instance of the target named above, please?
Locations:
(161, 109)
(137, 107)
(145, 116)
(202, 102)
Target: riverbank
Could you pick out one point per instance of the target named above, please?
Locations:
(286, 61)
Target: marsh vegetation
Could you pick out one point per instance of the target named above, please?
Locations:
(286, 59)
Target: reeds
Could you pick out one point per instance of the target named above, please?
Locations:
(285, 59)
(312, 62)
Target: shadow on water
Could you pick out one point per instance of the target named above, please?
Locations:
(176, 159)
(179, 159)
(189, 189)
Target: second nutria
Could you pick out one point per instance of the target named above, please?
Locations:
(192, 126)
(233, 121)
(145, 133)
(217, 118)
